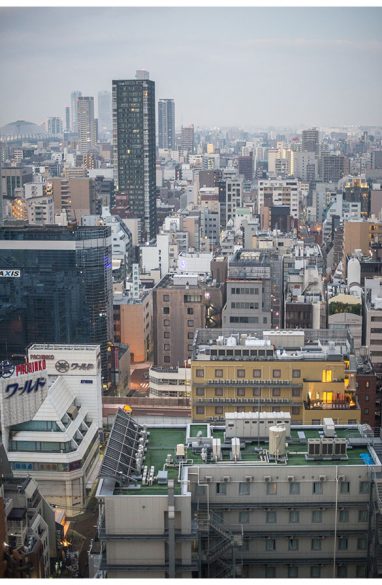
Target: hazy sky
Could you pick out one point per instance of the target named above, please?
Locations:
(223, 66)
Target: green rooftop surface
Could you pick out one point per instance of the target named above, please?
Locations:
(163, 441)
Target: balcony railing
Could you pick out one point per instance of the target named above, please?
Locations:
(334, 405)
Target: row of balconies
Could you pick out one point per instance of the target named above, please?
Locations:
(241, 382)
(254, 401)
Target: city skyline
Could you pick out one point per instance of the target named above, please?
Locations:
(250, 67)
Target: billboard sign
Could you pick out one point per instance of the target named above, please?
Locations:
(21, 396)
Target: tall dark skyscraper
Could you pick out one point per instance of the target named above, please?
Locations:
(166, 124)
(55, 287)
(134, 149)
(311, 140)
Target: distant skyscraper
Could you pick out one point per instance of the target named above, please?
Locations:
(61, 288)
(187, 138)
(67, 119)
(134, 149)
(311, 140)
(55, 126)
(73, 103)
(142, 74)
(104, 112)
(86, 124)
(166, 124)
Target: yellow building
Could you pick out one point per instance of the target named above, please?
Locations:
(288, 371)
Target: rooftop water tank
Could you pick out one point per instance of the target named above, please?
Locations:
(277, 441)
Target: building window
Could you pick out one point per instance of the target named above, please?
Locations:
(166, 298)
(295, 410)
(270, 544)
(257, 373)
(296, 392)
(361, 571)
(317, 516)
(166, 310)
(316, 544)
(296, 373)
(363, 516)
(293, 544)
(364, 487)
(342, 571)
(345, 487)
(270, 572)
(200, 392)
(190, 323)
(190, 311)
(244, 489)
(315, 571)
(277, 373)
(294, 517)
(318, 488)
(292, 571)
(218, 410)
(271, 488)
(166, 347)
(362, 543)
(244, 517)
(271, 517)
(219, 391)
(218, 373)
(199, 373)
(166, 335)
(190, 335)
(344, 516)
(294, 488)
(327, 376)
(342, 543)
(221, 489)
(166, 359)
(240, 391)
(240, 373)
(257, 392)
(166, 322)
(200, 410)
(276, 391)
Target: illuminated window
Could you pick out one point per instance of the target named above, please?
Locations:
(327, 375)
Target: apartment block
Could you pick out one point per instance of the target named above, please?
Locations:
(300, 372)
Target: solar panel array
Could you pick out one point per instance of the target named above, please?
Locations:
(120, 457)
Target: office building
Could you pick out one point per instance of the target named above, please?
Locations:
(302, 372)
(134, 150)
(311, 141)
(76, 196)
(182, 303)
(59, 289)
(246, 167)
(55, 126)
(200, 501)
(331, 167)
(133, 323)
(105, 119)
(74, 110)
(233, 197)
(187, 138)
(166, 124)
(67, 119)
(86, 126)
(13, 178)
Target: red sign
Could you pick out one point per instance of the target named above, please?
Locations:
(30, 367)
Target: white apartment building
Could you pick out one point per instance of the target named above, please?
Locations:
(279, 192)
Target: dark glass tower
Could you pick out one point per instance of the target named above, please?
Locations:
(61, 291)
(166, 124)
(134, 149)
